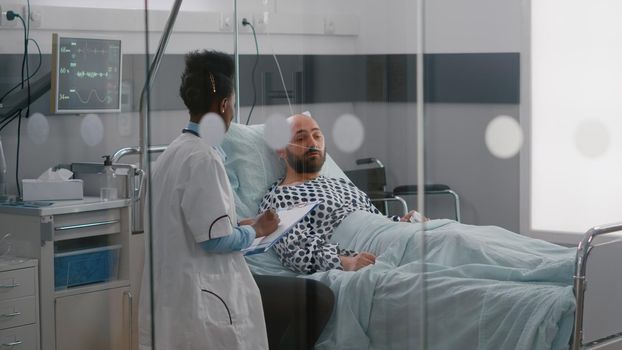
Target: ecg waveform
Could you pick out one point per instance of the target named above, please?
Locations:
(88, 98)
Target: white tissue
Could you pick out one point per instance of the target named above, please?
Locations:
(55, 175)
(52, 185)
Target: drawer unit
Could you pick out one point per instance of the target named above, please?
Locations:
(62, 242)
(20, 338)
(17, 312)
(17, 283)
(102, 222)
(19, 304)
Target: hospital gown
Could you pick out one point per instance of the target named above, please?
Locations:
(306, 247)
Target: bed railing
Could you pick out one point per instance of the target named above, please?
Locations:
(138, 194)
(583, 251)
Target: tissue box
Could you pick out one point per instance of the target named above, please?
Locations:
(38, 190)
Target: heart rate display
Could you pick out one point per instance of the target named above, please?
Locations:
(88, 75)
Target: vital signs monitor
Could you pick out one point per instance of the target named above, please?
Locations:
(86, 75)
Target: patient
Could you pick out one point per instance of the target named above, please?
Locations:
(486, 287)
(306, 248)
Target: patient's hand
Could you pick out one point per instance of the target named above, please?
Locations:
(414, 216)
(266, 223)
(355, 263)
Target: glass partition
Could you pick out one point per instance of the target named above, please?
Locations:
(192, 294)
(520, 124)
(434, 165)
(347, 72)
(70, 76)
(475, 267)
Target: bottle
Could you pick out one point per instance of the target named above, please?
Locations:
(109, 190)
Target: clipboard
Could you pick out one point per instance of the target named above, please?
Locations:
(289, 217)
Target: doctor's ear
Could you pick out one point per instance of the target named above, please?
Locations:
(223, 105)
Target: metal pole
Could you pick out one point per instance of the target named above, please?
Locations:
(153, 70)
(236, 55)
(144, 133)
(421, 165)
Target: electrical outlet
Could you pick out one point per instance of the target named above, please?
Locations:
(35, 17)
(226, 22)
(260, 21)
(268, 5)
(17, 8)
(329, 26)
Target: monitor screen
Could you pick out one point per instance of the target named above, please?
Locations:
(86, 76)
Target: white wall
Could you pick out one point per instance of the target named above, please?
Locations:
(575, 74)
(383, 27)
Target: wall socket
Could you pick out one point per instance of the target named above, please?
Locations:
(260, 21)
(35, 16)
(226, 22)
(17, 8)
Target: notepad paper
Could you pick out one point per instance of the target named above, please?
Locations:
(289, 217)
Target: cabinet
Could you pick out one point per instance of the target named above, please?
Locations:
(19, 307)
(97, 315)
(97, 320)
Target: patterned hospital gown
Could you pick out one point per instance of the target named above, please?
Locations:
(306, 247)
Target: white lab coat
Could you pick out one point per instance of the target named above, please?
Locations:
(202, 300)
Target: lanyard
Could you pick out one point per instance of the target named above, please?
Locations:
(190, 131)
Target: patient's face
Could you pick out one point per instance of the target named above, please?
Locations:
(307, 151)
(310, 161)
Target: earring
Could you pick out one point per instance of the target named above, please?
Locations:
(222, 111)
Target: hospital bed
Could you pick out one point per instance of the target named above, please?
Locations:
(597, 322)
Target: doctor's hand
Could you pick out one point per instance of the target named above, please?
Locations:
(247, 222)
(266, 223)
(355, 263)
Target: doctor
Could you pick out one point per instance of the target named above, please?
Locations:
(204, 294)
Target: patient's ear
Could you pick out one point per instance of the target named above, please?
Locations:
(281, 153)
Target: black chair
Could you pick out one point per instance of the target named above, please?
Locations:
(432, 189)
(372, 180)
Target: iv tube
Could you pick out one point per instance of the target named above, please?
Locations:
(2, 173)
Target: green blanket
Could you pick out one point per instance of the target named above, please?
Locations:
(486, 288)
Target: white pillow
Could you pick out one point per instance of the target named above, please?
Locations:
(252, 167)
